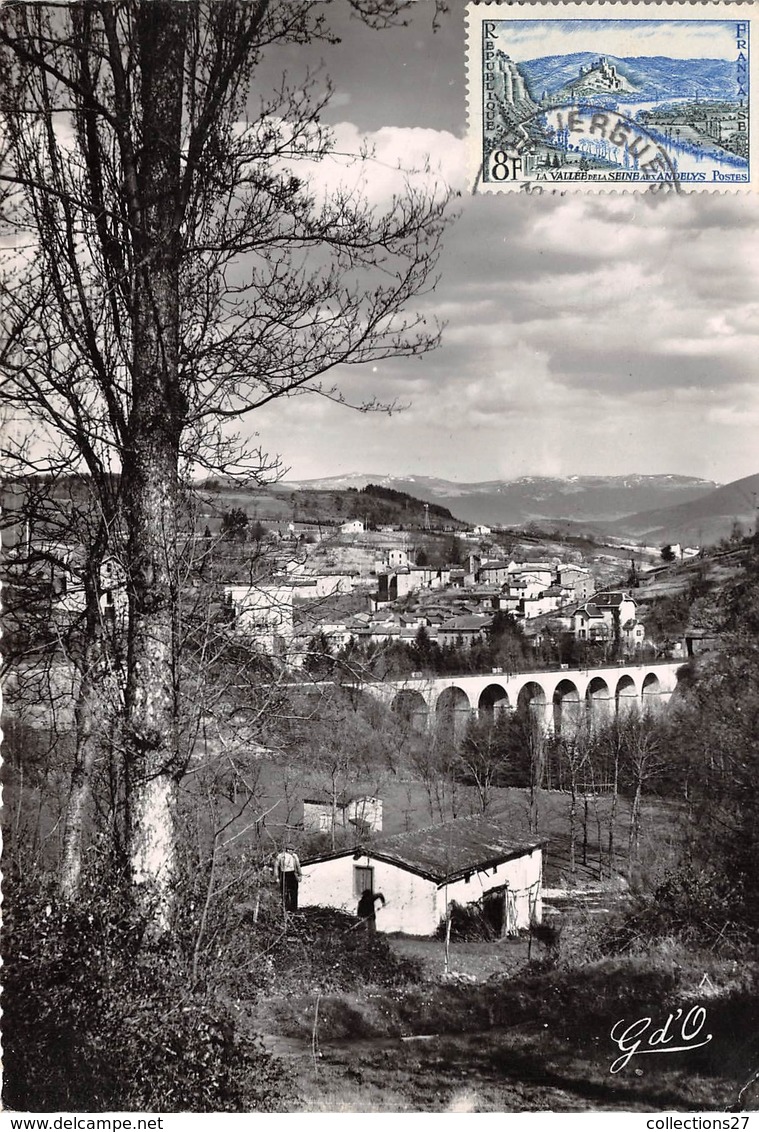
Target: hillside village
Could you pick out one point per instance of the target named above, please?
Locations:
(356, 587)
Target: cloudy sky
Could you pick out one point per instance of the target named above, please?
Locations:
(585, 334)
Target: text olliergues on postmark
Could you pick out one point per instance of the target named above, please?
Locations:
(603, 96)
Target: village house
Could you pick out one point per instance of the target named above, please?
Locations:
(392, 585)
(464, 630)
(547, 602)
(589, 624)
(617, 604)
(325, 815)
(352, 527)
(69, 599)
(337, 634)
(397, 556)
(263, 613)
(493, 572)
(59, 567)
(578, 578)
(470, 861)
(609, 616)
(533, 577)
(508, 603)
(321, 584)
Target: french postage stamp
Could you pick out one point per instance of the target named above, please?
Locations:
(605, 96)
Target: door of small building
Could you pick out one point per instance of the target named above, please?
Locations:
(494, 909)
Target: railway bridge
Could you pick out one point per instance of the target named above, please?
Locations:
(559, 698)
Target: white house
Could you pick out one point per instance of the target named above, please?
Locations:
(467, 861)
(352, 527)
(397, 556)
(535, 577)
(71, 599)
(263, 613)
(578, 578)
(610, 615)
(322, 814)
(589, 624)
(551, 599)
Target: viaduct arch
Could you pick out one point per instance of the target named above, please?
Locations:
(560, 700)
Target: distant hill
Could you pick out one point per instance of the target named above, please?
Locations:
(702, 521)
(535, 499)
(647, 78)
(330, 502)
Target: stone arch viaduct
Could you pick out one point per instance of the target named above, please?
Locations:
(559, 699)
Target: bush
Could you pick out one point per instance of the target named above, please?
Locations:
(695, 907)
(97, 1017)
(467, 922)
(315, 949)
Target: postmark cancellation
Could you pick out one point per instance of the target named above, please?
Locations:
(612, 96)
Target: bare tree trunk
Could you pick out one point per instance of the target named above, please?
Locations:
(537, 769)
(614, 807)
(333, 800)
(585, 829)
(634, 839)
(572, 826)
(89, 715)
(88, 712)
(151, 467)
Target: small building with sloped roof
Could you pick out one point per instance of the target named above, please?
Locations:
(469, 861)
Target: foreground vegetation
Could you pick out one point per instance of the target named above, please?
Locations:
(531, 1042)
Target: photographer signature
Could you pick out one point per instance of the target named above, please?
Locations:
(640, 1037)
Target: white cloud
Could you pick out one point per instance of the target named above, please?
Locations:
(379, 164)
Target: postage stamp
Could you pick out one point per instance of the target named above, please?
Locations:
(605, 96)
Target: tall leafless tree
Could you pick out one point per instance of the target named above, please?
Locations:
(173, 270)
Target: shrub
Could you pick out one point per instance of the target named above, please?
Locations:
(97, 1017)
(317, 949)
(695, 907)
(467, 922)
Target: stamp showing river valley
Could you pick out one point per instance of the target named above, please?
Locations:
(612, 96)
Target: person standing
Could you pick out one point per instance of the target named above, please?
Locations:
(287, 874)
(367, 908)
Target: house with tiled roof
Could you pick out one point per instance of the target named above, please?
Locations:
(578, 578)
(590, 624)
(420, 874)
(609, 616)
(466, 629)
(547, 602)
(494, 571)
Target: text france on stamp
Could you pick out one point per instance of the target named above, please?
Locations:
(605, 96)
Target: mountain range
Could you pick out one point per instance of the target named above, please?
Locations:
(649, 509)
(649, 78)
(698, 522)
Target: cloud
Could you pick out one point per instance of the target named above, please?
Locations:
(594, 334)
(381, 164)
